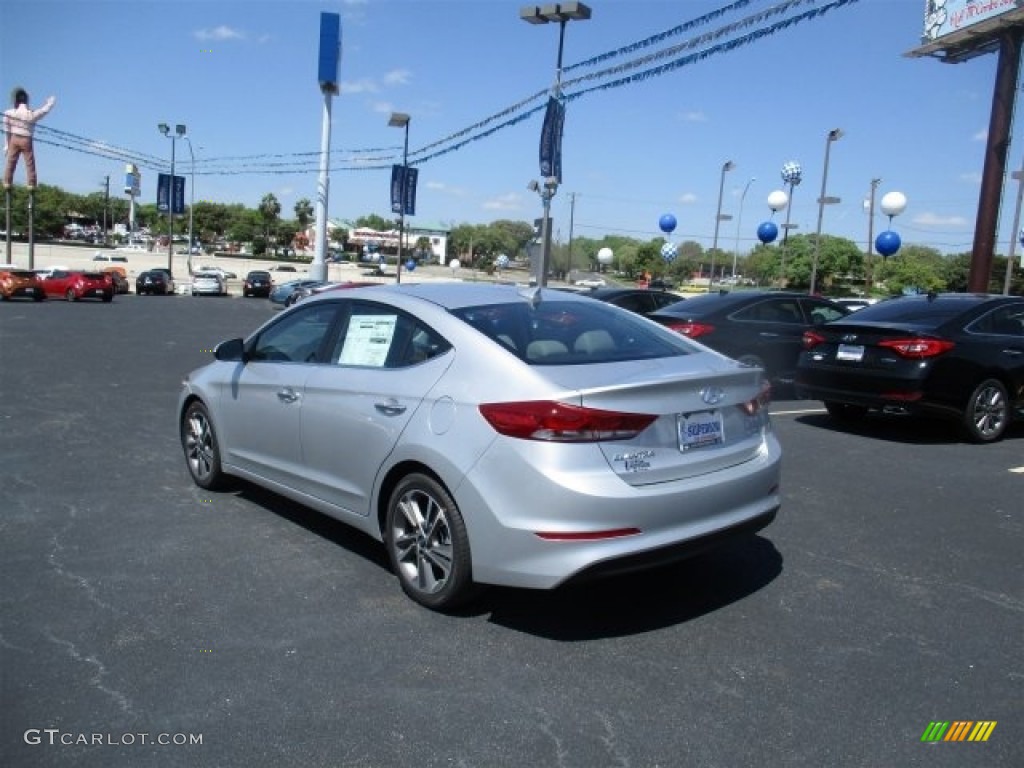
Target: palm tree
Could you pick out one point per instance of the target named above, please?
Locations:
(270, 210)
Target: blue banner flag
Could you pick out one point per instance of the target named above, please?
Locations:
(551, 140)
(403, 189)
(163, 192)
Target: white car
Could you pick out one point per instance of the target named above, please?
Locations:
(208, 284)
(225, 274)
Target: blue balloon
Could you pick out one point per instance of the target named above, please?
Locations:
(887, 243)
(767, 232)
(667, 223)
(410, 265)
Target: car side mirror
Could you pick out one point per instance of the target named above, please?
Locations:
(232, 350)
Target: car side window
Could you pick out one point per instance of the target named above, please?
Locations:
(379, 336)
(819, 313)
(772, 311)
(297, 337)
(1007, 320)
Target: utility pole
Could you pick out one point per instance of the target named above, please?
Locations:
(871, 233)
(106, 206)
(572, 215)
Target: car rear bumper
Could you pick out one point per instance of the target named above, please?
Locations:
(671, 520)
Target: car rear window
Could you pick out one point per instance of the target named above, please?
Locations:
(922, 312)
(572, 333)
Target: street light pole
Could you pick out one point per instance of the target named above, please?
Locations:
(1014, 233)
(834, 135)
(562, 13)
(191, 202)
(726, 167)
(871, 233)
(179, 132)
(401, 120)
(739, 219)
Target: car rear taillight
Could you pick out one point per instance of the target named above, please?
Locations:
(554, 422)
(759, 403)
(691, 328)
(812, 339)
(917, 348)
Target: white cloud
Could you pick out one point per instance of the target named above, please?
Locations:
(359, 86)
(222, 32)
(397, 77)
(693, 117)
(971, 178)
(929, 219)
(981, 135)
(509, 202)
(688, 198)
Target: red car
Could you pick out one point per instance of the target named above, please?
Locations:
(20, 282)
(76, 284)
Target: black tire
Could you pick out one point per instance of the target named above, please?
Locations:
(69, 294)
(428, 545)
(108, 299)
(845, 412)
(987, 413)
(201, 447)
(38, 297)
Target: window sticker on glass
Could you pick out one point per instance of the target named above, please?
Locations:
(368, 340)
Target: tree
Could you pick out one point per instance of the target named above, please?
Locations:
(303, 214)
(375, 222)
(914, 268)
(270, 210)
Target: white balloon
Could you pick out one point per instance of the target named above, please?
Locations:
(778, 200)
(894, 203)
(605, 256)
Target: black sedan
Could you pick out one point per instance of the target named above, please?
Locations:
(257, 283)
(954, 355)
(154, 281)
(643, 301)
(759, 328)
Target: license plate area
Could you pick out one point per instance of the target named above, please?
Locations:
(700, 430)
(853, 353)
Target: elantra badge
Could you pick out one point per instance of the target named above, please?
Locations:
(849, 338)
(712, 395)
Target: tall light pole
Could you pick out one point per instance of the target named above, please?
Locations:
(1015, 232)
(792, 175)
(739, 219)
(870, 205)
(726, 167)
(551, 134)
(401, 120)
(834, 135)
(179, 132)
(191, 201)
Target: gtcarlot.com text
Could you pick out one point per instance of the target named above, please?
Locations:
(57, 737)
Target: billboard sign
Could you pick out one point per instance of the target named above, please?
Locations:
(958, 30)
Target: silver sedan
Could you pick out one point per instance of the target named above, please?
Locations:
(489, 434)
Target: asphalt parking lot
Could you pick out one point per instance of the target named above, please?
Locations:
(139, 615)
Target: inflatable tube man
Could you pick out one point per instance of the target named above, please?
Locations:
(19, 125)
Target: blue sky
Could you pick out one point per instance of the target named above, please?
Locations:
(243, 77)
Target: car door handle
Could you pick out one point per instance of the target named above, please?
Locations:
(391, 407)
(287, 395)
(768, 335)
(1013, 352)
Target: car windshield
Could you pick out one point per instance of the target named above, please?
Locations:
(571, 333)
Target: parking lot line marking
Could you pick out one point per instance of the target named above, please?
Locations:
(798, 413)
(1017, 470)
